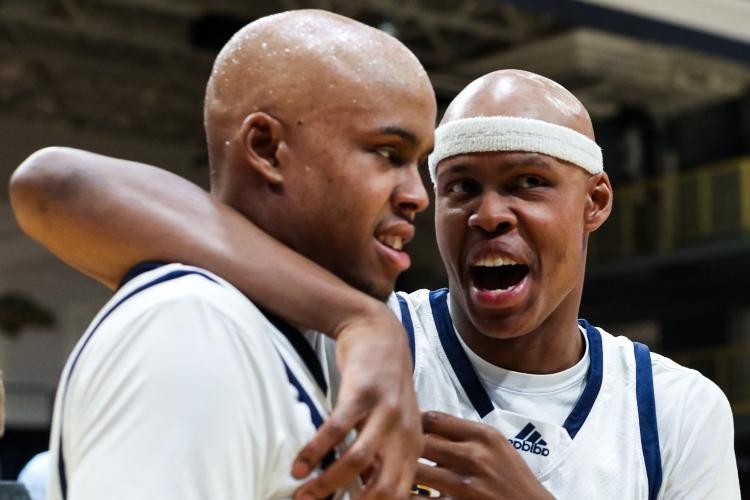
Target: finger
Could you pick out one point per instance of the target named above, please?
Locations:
(443, 452)
(396, 454)
(395, 475)
(347, 468)
(334, 430)
(369, 480)
(448, 483)
(456, 429)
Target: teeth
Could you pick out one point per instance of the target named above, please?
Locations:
(496, 262)
(395, 242)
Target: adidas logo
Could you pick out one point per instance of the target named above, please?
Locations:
(530, 440)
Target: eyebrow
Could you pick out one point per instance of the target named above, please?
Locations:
(458, 168)
(406, 135)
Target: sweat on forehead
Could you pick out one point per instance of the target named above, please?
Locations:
(297, 61)
(513, 110)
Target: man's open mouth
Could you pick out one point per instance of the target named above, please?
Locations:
(497, 273)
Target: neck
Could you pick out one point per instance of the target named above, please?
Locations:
(550, 347)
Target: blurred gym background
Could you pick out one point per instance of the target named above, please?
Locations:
(667, 84)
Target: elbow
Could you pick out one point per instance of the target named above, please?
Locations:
(44, 178)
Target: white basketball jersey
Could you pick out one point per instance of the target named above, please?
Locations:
(609, 445)
(182, 389)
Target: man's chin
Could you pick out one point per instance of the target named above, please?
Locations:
(379, 291)
(504, 325)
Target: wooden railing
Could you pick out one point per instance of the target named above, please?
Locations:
(675, 211)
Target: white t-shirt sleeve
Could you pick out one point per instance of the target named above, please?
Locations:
(34, 476)
(698, 429)
(174, 408)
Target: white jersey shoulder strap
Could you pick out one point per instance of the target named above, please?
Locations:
(408, 325)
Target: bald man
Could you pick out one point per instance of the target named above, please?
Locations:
(524, 395)
(182, 387)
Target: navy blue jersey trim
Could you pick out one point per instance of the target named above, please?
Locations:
(167, 277)
(583, 406)
(457, 356)
(409, 327)
(302, 346)
(473, 387)
(316, 417)
(644, 392)
(139, 269)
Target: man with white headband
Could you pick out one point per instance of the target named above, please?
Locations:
(521, 393)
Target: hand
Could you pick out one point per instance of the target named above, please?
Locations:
(474, 461)
(377, 399)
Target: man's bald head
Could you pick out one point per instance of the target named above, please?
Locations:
(513, 110)
(520, 94)
(298, 63)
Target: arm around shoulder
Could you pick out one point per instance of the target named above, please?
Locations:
(69, 200)
(41, 176)
(104, 215)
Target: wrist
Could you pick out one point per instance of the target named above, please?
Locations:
(361, 309)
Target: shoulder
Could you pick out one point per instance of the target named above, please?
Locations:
(184, 362)
(36, 470)
(171, 321)
(178, 282)
(686, 394)
(682, 394)
(174, 293)
(696, 433)
(695, 427)
(675, 386)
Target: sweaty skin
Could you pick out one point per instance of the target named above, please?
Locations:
(311, 73)
(544, 227)
(315, 126)
(520, 94)
(564, 216)
(514, 198)
(233, 256)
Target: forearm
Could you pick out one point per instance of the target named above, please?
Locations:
(103, 215)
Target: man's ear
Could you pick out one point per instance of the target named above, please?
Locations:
(260, 137)
(598, 201)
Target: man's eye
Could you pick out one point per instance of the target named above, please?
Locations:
(388, 153)
(466, 186)
(529, 181)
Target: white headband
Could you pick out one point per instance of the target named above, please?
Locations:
(505, 133)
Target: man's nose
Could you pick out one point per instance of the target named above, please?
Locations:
(411, 196)
(493, 215)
